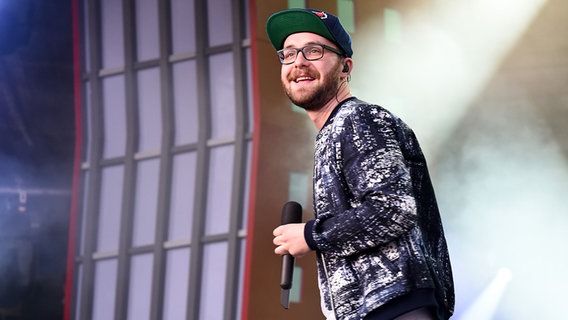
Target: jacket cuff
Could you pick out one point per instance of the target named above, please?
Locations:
(309, 236)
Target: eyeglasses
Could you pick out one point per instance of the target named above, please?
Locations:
(311, 53)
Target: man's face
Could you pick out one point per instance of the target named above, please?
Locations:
(311, 84)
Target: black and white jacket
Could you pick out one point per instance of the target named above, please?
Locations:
(377, 229)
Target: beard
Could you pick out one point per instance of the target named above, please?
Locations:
(314, 100)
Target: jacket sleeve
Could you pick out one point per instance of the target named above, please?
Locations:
(377, 186)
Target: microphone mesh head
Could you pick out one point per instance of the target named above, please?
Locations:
(291, 212)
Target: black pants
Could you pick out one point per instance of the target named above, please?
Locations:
(417, 305)
(418, 314)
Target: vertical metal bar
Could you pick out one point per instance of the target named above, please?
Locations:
(92, 197)
(239, 165)
(129, 184)
(164, 191)
(200, 205)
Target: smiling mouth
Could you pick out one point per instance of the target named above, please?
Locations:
(303, 79)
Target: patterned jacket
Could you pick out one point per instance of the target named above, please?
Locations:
(377, 229)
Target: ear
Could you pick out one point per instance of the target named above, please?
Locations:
(347, 66)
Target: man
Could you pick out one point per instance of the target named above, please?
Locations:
(377, 232)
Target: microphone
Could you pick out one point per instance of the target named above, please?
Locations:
(291, 213)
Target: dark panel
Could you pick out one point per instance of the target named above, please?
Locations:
(36, 155)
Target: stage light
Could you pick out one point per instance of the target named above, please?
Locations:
(484, 307)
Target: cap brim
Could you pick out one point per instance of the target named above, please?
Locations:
(284, 23)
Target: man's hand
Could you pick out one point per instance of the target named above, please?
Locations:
(289, 238)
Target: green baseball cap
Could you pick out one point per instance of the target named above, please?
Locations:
(284, 23)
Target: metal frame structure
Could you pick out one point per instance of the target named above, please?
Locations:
(88, 255)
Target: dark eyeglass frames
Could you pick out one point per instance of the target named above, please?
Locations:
(311, 52)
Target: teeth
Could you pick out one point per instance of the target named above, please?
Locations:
(303, 78)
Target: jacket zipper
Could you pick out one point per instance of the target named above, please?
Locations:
(328, 285)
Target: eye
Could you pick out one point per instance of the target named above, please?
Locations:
(313, 51)
(286, 54)
(289, 53)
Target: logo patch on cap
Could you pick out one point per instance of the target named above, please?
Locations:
(322, 15)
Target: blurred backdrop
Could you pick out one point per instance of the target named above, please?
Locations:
(484, 86)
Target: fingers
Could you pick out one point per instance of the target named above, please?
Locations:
(280, 247)
(277, 231)
(280, 251)
(289, 239)
(279, 242)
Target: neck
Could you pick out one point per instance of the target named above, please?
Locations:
(320, 116)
